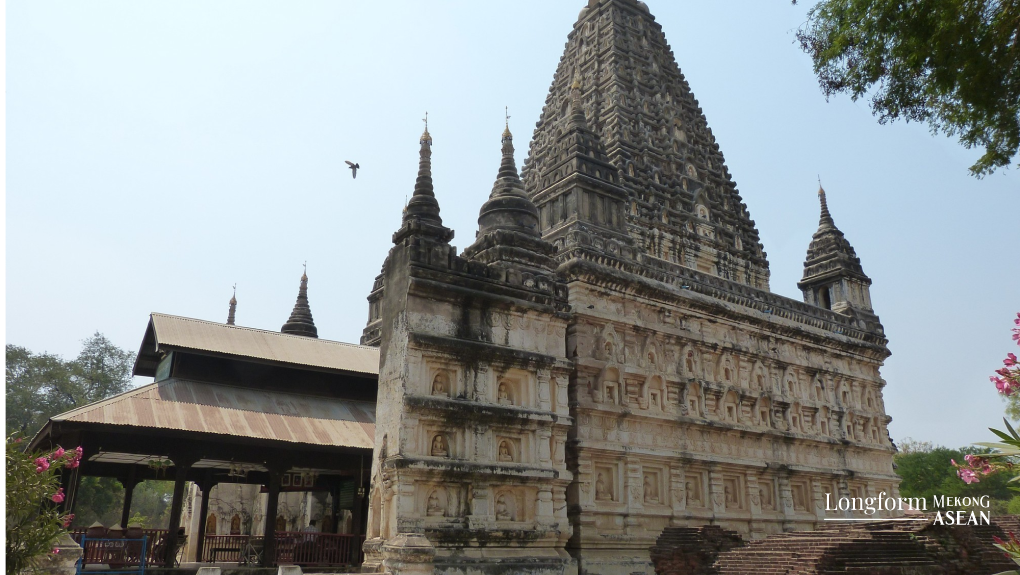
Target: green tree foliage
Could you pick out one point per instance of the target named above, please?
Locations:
(102, 499)
(32, 519)
(42, 385)
(926, 470)
(954, 64)
(31, 381)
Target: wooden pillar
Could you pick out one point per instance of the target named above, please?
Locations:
(129, 490)
(357, 512)
(180, 480)
(335, 508)
(203, 516)
(269, 533)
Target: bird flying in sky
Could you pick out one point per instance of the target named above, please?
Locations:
(354, 168)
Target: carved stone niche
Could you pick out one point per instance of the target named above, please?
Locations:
(733, 492)
(655, 390)
(605, 483)
(439, 443)
(767, 493)
(442, 382)
(514, 388)
(608, 386)
(508, 450)
(731, 407)
(436, 500)
(694, 489)
(609, 345)
(692, 399)
(653, 486)
(801, 495)
(508, 505)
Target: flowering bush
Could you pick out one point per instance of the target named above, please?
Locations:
(33, 522)
(1007, 381)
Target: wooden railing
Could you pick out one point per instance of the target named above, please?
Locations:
(318, 549)
(227, 548)
(96, 553)
(292, 547)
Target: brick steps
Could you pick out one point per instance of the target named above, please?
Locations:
(866, 548)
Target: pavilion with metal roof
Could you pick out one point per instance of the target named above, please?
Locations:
(227, 398)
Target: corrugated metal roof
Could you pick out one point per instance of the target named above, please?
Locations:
(182, 332)
(184, 405)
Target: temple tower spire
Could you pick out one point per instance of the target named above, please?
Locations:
(421, 215)
(300, 322)
(233, 307)
(833, 276)
(508, 221)
(619, 80)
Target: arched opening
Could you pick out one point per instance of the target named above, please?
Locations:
(823, 298)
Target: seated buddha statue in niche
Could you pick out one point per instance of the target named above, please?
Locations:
(434, 509)
(692, 494)
(502, 510)
(503, 395)
(441, 384)
(439, 446)
(504, 452)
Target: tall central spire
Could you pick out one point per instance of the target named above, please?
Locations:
(619, 78)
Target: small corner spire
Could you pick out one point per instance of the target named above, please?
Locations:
(423, 205)
(233, 307)
(300, 321)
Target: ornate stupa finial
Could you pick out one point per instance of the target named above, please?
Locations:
(506, 131)
(825, 221)
(300, 322)
(426, 138)
(233, 307)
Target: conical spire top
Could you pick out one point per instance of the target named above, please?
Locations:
(508, 206)
(421, 213)
(300, 322)
(423, 205)
(826, 218)
(508, 231)
(233, 307)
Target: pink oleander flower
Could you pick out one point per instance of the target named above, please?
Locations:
(41, 464)
(68, 519)
(968, 476)
(58, 497)
(58, 453)
(55, 550)
(74, 463)
(1010, 360)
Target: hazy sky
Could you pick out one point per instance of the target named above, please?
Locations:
(160, 152)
